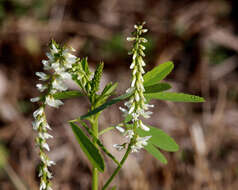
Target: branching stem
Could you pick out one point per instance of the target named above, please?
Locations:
(118, 168)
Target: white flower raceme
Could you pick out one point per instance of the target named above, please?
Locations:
(59, 62)
(41, 126)
(136, 106)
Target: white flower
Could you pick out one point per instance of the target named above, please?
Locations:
(42, 76)
(70, 59)
(133, 82)
(49, 175)
(52, 102)
(143, 40)
(36, 99)
(50, 163)
(46, 126)
(129, 134)
(130, 39)
(42, 185)
(135, 116)
(40, 173)
(129, 90)
(137, 97)
(59, 85)
(46, 65)
(132, 65)
(41, 87)
(50, 57)
(45, 146)
(65, 75)
(131, 108)
(118, 147)
(44, 135)
(54, 49)
(140, 143)
(123, 110)
(120, 129)
(144, 127)
(36, 124)
(144, 30)
(38, 112)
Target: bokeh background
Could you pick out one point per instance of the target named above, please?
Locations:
(200, 37)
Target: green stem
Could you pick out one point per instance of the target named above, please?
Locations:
(118, 168)
(106, 130)
(95, 170)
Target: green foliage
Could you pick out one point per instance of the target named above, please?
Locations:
(139, 94)
(157, 88)
(158, 73)
(97, 78)
(88, 148)
(68, 94)
(175, 97)
(155, 152)
(153, 90)
(99, 142)
(105, 105)
(106, 93)
(158, 139)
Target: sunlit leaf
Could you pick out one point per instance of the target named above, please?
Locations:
(175, 97)
(158, 73)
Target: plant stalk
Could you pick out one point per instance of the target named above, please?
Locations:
(95, 170)
(118, 168)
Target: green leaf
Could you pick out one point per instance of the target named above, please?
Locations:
(106, 93)
(68, 94)
(155, 152)
(97, 78)
(84, 63)
(109, 89)
(88, 148)
(175, 97)
(159, 138)
(157, 88)
(105, 105)
(99, 142)
(114, 188)
(158, 73)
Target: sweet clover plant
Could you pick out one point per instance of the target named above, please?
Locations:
(62, 65)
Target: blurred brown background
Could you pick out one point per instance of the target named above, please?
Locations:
(201, 37)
